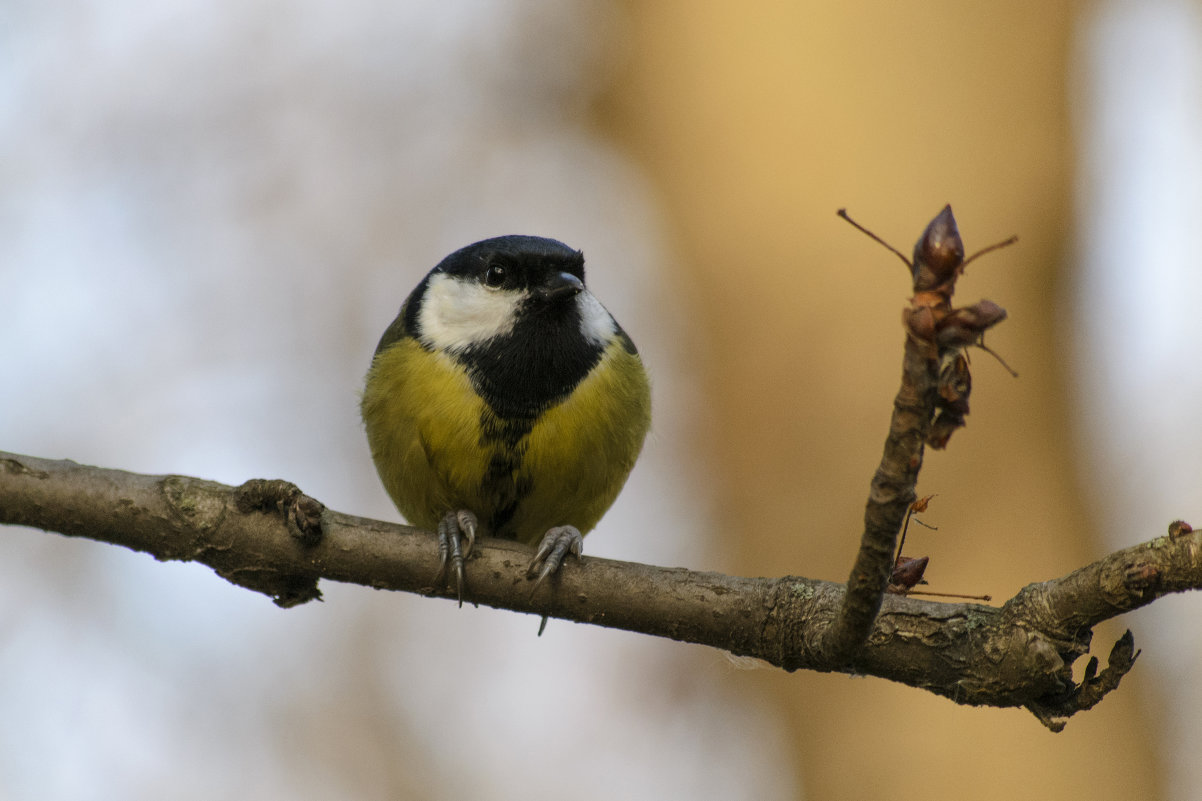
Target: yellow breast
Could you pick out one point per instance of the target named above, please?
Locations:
(438, 447)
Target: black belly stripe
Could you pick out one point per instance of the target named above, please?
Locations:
(503, 483)
(504, 431)
(519, 377)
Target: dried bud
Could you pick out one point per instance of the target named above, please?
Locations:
(920, 323)
(955, 382)
(944, 425)
(955, 386)
(908, 572)
(939, 253)
(919, 506)
(965, 326)
(1179, 528)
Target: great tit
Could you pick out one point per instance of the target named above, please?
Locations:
(505, 400)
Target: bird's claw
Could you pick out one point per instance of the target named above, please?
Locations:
(452, 551)
(556, 544)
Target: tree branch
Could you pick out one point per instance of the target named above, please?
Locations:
(1018, 655)
(270, 537)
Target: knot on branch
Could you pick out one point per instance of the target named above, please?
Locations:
(302, 517)
(797, 606)
(1055, 711)
(1019, 664)
(1060, 611)
(301, 513)
(1129, 584)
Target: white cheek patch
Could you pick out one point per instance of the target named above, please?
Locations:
(595, 322)
(457, 314)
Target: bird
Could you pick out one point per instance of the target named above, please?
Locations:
(505, 400)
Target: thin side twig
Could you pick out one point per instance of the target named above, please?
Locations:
(930, 404)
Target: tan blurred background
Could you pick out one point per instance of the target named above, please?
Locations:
(756, 123)
(213, 209)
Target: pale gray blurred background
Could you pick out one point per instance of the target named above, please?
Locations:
(210, 210)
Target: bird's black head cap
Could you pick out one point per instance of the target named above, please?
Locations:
(514, 262)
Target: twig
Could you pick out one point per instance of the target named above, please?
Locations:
(929, 406)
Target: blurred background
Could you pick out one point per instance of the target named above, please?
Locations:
(210, 210)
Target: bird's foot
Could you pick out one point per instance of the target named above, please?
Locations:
(456, 536)
(557, 543)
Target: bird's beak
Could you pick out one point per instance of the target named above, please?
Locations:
(561, 285)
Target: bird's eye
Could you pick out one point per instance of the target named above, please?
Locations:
(495, 275)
